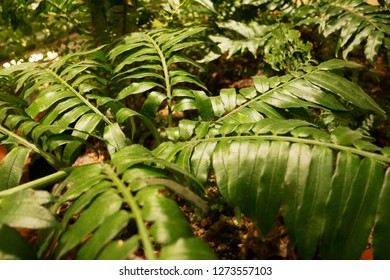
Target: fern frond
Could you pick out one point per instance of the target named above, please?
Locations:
(356, 23)
(110, 197)
(263, 164)
(11, 168)
(240, 37)
(148, 62)
(291, 165)
(316, 87)
(69, 95)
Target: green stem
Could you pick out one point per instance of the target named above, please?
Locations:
(53, 161)
(168, 87)
(130, 200)
(19, 139)
(38, 183)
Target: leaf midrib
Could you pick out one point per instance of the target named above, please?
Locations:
(333, 146)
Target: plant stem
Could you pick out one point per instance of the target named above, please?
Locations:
(130, 200)
(166, 77)
(53, 161)
(38, 183)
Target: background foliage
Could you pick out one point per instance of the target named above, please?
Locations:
(134, 82)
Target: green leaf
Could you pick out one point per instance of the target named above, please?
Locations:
(374, 41)
(201, 161)
(136, 88)
(367, 146)
(182, 59)
(124, 113)
(125, 47)
(205, 107)
(169, 223)
(347, 167)
(380, 240)
(357, 21)
(261, 83)
(12, 166)
(45, 101)
(132, 175)
(348, 90)
(218, 106)
(346, 136)
(333, 64)
(180, 36)
(187, 128)
(228, 97)
(309, 92)
(60, 108)
(115, 138)
(312, 209)
(284, 99)
(348, 31)
(110, 228)
(236, 172)
(84, 176)
(264, 108)
(152, 104)
(119, 249)
(13, 246)
(250, 175)
(182, 46)
(298, 166)
(357, 40)
(358, 217)
(129, 156)
(185, 104)
(276, 126)
(248, 92)
(24, 209)
(102, 207)
(85, 125)
(268, 191)
(187, 249)
(85, 199)
(208, 4)
(137, 59)
(186, 78)
(315, 133)
(335, 25)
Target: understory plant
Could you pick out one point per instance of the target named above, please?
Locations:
(295, 143)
